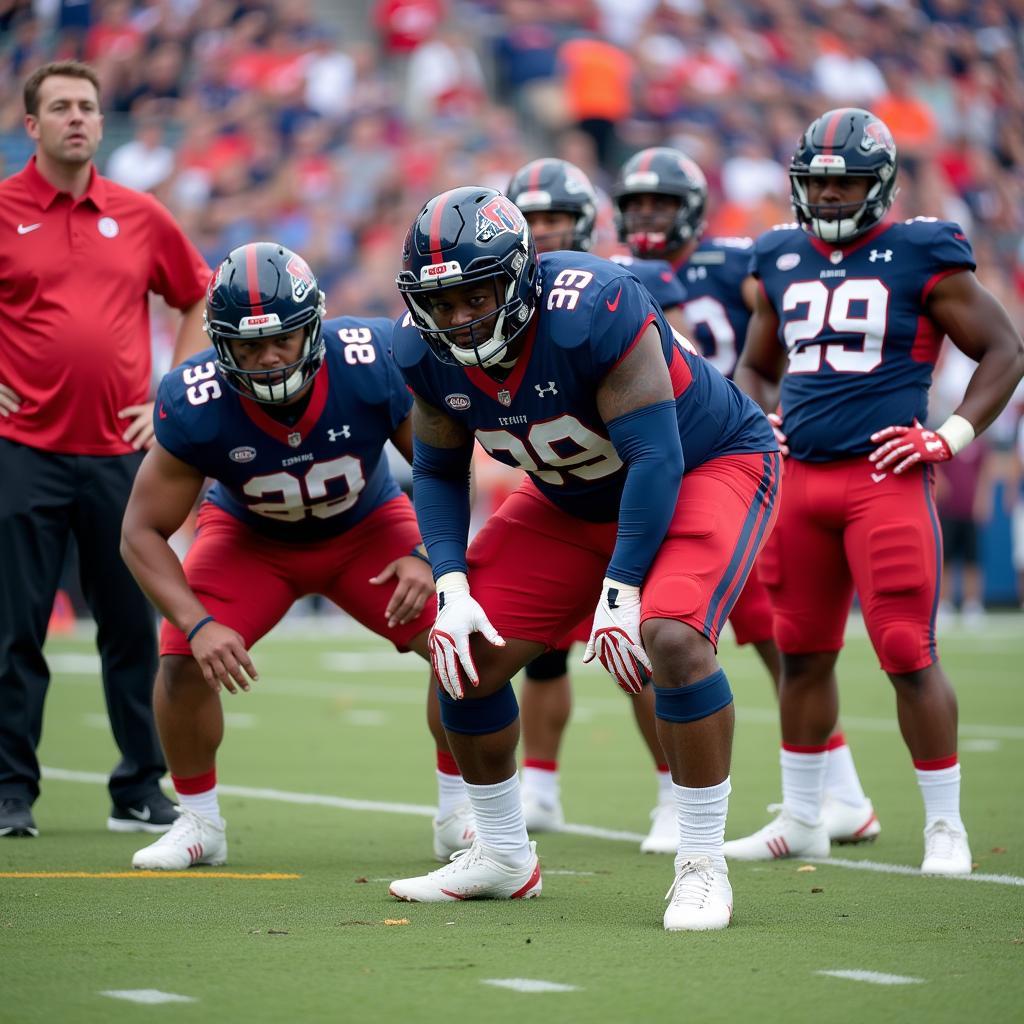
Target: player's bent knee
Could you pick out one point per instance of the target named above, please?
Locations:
(180, 674)
(677, 650)
(672, 597)
(476, 717)
(547, 666)
(695, 701)
(902, 648)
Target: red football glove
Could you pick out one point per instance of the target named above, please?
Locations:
(907, 446)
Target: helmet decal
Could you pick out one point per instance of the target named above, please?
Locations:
(498, 215)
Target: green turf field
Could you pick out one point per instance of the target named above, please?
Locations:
(327, 774)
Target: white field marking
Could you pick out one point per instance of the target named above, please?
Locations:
(146, 995)
(423, 811)
(979, 746)
(905, 869)
(873, 977)
(529, 985)
(365, 716)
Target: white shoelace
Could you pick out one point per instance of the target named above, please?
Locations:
(693, 883)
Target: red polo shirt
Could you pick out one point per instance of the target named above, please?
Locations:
(75, 277)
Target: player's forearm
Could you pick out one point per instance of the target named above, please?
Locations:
(440, 479)
(647, 440)
(992, 385)
(160, 576)
(190, 338)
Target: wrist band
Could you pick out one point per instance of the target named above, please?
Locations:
(957, 432)
(416, 553)
(198, 626)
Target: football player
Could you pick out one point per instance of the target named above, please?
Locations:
(850, 314)
(289, 416)
(563, 366)
(560, 205)
(660, 199)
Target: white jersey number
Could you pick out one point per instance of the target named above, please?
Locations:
(858, 306)
(708, 311)
(594, 457)
(202, 383)
(289, 498)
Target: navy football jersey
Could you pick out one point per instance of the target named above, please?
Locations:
(861, 351)
(658, 278)
(713, 277)
(304, 481)
(544, 419)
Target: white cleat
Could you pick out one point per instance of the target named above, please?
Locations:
(786, 836)
(700, 899)
(191, 840)
(945, 850)
(542, 815)
(472, 874)
(454, 832)
(664, 834)
(848, 824)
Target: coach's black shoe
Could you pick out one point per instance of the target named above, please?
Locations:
(16, 818)
(154, 813)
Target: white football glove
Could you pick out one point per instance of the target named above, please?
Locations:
(458, 618)
(615, 638)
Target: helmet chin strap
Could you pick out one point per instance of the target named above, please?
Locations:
(289, 386)
(494, 347)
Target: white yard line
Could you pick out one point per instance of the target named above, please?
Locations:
(873, 977)
(151, 996)
(423, 811)
(529, 985)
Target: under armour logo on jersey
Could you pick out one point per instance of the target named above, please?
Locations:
(885, 254)
(335, 434)
(549, 390)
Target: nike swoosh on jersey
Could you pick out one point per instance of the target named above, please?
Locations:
(163, 415)
(612, 306)
(24, 229)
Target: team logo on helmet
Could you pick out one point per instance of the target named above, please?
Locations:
(497, 216)
(301, 276)
(877, 136)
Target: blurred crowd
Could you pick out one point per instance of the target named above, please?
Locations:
(326, 126)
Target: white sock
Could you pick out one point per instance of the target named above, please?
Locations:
(665, 787)
(543, 782)
(803, 783)
(841, 780)
(500, 826)
(203, 804)
(450, 793)
(941, 792)
(701, 814)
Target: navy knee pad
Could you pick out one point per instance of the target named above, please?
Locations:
(480, 716)
(694, 702)
(547, 666)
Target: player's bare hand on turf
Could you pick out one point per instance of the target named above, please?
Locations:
(10, 401)
(615, 638)
(415, 585)
(776, 421)
(139, 433)
(904, 447)
(223, 659)
(459, 616)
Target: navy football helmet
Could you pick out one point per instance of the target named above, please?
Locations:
(853, 143)
(260, 290)
(463, 236)
(663, 172)
(557, 186)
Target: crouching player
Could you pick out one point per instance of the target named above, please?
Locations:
(289, 416)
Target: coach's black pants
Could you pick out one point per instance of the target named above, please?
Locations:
(43, 499)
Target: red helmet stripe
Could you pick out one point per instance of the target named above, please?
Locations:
(647, 159)
(538, 166)
(832, 127)
(252, 275)
(436, 256)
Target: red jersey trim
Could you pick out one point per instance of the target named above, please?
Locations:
(827, 248)
(936, 278)
(491, 387)
(281, 431)
(651, 317)
(680, 372)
